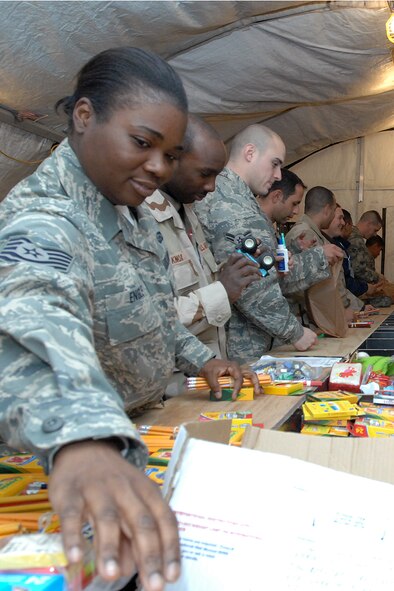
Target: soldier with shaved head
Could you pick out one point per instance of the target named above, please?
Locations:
(261, 317)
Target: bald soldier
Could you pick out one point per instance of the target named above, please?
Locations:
(261, 317)
(204, 292)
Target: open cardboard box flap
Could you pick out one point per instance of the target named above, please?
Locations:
(243, 514)
(369, 457)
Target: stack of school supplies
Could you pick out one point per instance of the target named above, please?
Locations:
(378, 421)
(334, 428)
(239, 421)
(330, 409)
(24, 502)
(160, 441)
(337, 395)
(329, 417)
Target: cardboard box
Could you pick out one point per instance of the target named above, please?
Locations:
(371, 458)
(234, 504)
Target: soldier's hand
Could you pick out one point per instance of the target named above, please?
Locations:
(369, 308)
(308, 339)
(237, 273)
(215, 368)
(380, 284)
(134, 529)
(373, 288)
(304, 243)
(333, 253)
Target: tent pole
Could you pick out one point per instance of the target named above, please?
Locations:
(31, 127)
(360, 176)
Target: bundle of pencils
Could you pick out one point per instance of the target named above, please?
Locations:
(28, 522)
(225, 382)
(26, 513)
(24, 501)
(157, 437)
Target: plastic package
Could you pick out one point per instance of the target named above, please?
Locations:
(43, 554)
(287, 369)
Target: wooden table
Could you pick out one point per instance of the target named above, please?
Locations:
(333, 347)
(273, 411)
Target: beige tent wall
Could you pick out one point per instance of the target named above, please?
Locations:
(361, 174)
(368, 161)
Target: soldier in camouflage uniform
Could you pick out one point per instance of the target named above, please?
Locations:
(280, 205)
(363, 263)
(356, 286)
(261, 317)
(320, 211)
(86, 310)
(204, 293)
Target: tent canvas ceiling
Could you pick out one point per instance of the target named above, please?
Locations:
(316, 72)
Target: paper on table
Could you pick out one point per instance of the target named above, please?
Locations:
(251, 520)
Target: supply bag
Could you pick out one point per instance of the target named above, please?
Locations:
(324, 305)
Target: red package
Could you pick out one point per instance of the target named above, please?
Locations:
(346, 376)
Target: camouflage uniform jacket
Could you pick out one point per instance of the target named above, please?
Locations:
(86, 309)
(262, 313)
(202, 302)
(308, 266)
(363, 263)
(311, 231)
(356, 286)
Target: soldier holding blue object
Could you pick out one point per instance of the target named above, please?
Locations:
(261, 317)
(87, 311)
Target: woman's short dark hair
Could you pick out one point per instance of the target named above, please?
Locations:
(122, 76)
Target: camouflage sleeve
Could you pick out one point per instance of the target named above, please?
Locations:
(53, 388)
(360, 260)
(262, 302)
(265, 306)
(190, 353)
(296, 231)
(309, 267)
